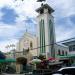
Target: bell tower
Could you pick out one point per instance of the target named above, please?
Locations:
(46, 31)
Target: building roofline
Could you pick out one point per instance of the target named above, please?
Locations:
(62, 45)
(27, 34)
(66, 42)
(44, 6)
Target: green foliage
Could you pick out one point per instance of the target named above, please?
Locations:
(41, 57)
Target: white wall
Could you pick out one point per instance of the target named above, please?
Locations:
(22, 44)
(61, 48)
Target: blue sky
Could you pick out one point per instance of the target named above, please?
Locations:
(17, 16)
(9, 15)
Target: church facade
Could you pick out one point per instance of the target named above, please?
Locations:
(30, 46)
(27, 46)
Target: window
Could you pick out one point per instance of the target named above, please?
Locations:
(25, 51)
(31, 45)
(72, 48)
(51, 36)
(59, 53)
(66, 52)
(42, 36)
(62, 52)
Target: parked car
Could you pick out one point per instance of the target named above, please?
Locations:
(65, 71)
(73, 65)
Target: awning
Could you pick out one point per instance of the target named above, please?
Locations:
(68, 56)
(63, 56)
(72, 55)
(7, 60)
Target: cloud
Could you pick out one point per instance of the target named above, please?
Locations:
(63, 17)
(15, 31)
(9, 15)
(10, 32)
(63, 33)
(64, 28)
(62, 7)
(72, 18)
(15, 27)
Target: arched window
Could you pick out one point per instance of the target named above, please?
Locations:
(59, 53)
(62, 52)
(31, 45)
(66, 52)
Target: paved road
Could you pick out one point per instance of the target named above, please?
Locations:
(12, 74)
(17, 74)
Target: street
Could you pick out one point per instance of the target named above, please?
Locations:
(12, 74)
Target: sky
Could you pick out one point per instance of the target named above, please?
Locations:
(17, 16)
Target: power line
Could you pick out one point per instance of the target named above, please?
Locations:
(56, 43)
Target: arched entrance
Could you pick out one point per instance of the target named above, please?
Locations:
(21, 63)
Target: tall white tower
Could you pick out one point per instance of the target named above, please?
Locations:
(46, 31)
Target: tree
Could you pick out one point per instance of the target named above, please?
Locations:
(2, 56)
(44, 62)
(41, 57)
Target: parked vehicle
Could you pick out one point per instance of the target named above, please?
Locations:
(65, 71)
(73, 65)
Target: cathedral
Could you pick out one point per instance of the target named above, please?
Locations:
(45, 40)
(44, 43)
